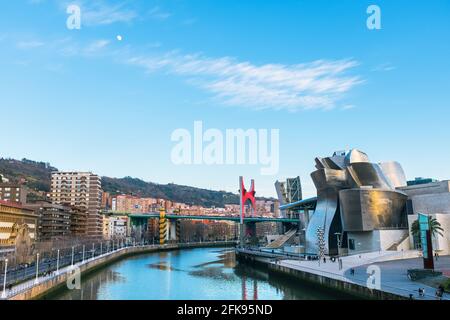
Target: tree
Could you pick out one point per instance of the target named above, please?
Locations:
(435, 228)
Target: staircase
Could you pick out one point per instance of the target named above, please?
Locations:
(394, 246)
(278, 243)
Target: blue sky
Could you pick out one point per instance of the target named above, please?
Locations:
(83, 100)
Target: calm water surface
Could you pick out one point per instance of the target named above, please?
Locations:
(204, 274)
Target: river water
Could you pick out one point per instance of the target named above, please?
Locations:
(191, 274)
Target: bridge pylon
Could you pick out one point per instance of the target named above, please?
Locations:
(162, 226)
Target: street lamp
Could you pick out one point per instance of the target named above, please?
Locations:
(4, 279)
(83, 252)
(93, 250)
(72, 255)
(37, 269)
(299, 254)
(57, 263)
(339, 241)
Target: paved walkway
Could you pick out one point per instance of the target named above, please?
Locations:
(393, 266)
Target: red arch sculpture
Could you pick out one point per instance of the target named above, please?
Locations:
(246, 195)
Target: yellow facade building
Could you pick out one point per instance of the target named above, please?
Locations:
(14, 222)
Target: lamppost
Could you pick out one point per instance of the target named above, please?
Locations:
(339, 241)
(93, 250)
(57, 262)
(37, 269)
(4, 279)
(72, 255)
(299, 253)
(101, 248)
(84, 247)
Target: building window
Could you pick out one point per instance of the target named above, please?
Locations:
(351, 244)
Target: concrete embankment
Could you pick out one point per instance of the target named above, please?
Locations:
(47, 286)
(326, 282)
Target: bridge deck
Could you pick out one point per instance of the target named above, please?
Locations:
(155, 215)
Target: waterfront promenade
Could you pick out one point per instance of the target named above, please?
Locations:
(393, 267)
(37, 287)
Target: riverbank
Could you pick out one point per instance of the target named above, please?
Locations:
(45, 285)
(394, 284)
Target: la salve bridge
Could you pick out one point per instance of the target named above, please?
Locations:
(169, 223)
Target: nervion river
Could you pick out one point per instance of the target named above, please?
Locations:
(191, 274)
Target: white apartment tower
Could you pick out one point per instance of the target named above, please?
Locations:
(81, 190)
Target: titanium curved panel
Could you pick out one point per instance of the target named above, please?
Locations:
(329, 178)
(355, 156)
(326, 212)
(372, 209)
(368, 174)
(319, 163)
(326, 215)
(394, 173)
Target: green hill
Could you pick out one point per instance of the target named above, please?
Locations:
(37, 177)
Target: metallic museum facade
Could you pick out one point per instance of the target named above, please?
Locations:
(358, 206)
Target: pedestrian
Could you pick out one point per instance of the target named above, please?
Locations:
(421, 292)
(440, 292)
(352, 271)
(324, 260)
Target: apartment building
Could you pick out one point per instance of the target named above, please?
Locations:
(83, 191)
(53, 220)
(133, 204)
(12, 192)
(16, 221)
(105, 220)
(117, 227)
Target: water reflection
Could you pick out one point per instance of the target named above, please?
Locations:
(90, 289)
(206, 273)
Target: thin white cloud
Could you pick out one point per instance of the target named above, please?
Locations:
(100, 12)
(30, 44)
(158, 14)
(104, 15)
(97, 46)
(316, 85)
(384, 67)
(348, 107)
(68, 48)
